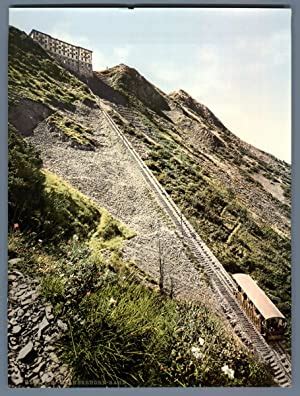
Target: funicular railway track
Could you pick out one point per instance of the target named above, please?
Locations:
(222, 283)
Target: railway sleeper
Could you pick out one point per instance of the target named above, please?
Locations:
(277, 371)
(281, 377)
(285, 384)
(274, 365)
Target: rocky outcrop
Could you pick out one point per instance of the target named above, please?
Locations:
(185, 99)
(122, 76)
(26, 115)
(104, 91)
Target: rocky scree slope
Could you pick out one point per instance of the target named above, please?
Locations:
(33, 357)
(110, 176)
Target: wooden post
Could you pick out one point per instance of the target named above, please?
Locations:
(181, 224)
(171, 287)
(161, 269)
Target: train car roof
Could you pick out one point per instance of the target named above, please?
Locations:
(261, 301)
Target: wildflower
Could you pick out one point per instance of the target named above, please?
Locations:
(201, 341)
(112, 301)
(40, 240)
(196, 352)
(16, 226)
(75, 237)
(228, 371)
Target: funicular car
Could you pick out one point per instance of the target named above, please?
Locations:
(266, 317)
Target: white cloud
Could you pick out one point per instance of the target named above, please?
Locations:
(207, 54)
(122, 53)
(165, 72)
(274, 50)
(78, 40)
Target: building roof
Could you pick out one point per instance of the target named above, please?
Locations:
(53, 38)
(261, 301)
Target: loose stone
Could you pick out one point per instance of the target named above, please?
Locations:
(16, 377)
(26, 302)
(47, 377)
(20, 312)
(62, 325)
(26, 351)
(16, 329)
(38, 368)
(48, 311)
(42, 326)
(15, 261)
(54, 357)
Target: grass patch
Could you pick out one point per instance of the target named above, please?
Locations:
(109, 234)
(71, 129)
(67, 208)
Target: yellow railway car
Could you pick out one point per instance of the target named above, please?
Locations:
(266, 317)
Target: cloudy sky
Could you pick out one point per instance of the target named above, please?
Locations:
(235, 61)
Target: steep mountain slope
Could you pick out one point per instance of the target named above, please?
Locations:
(235, 195)
(91, 284)
(234, 151)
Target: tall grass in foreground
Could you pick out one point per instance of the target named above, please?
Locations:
(123, 336)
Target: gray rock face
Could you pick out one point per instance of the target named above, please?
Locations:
(128, 196)
(27, 114)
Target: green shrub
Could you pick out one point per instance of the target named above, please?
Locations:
(53, 288)
(25, 181)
